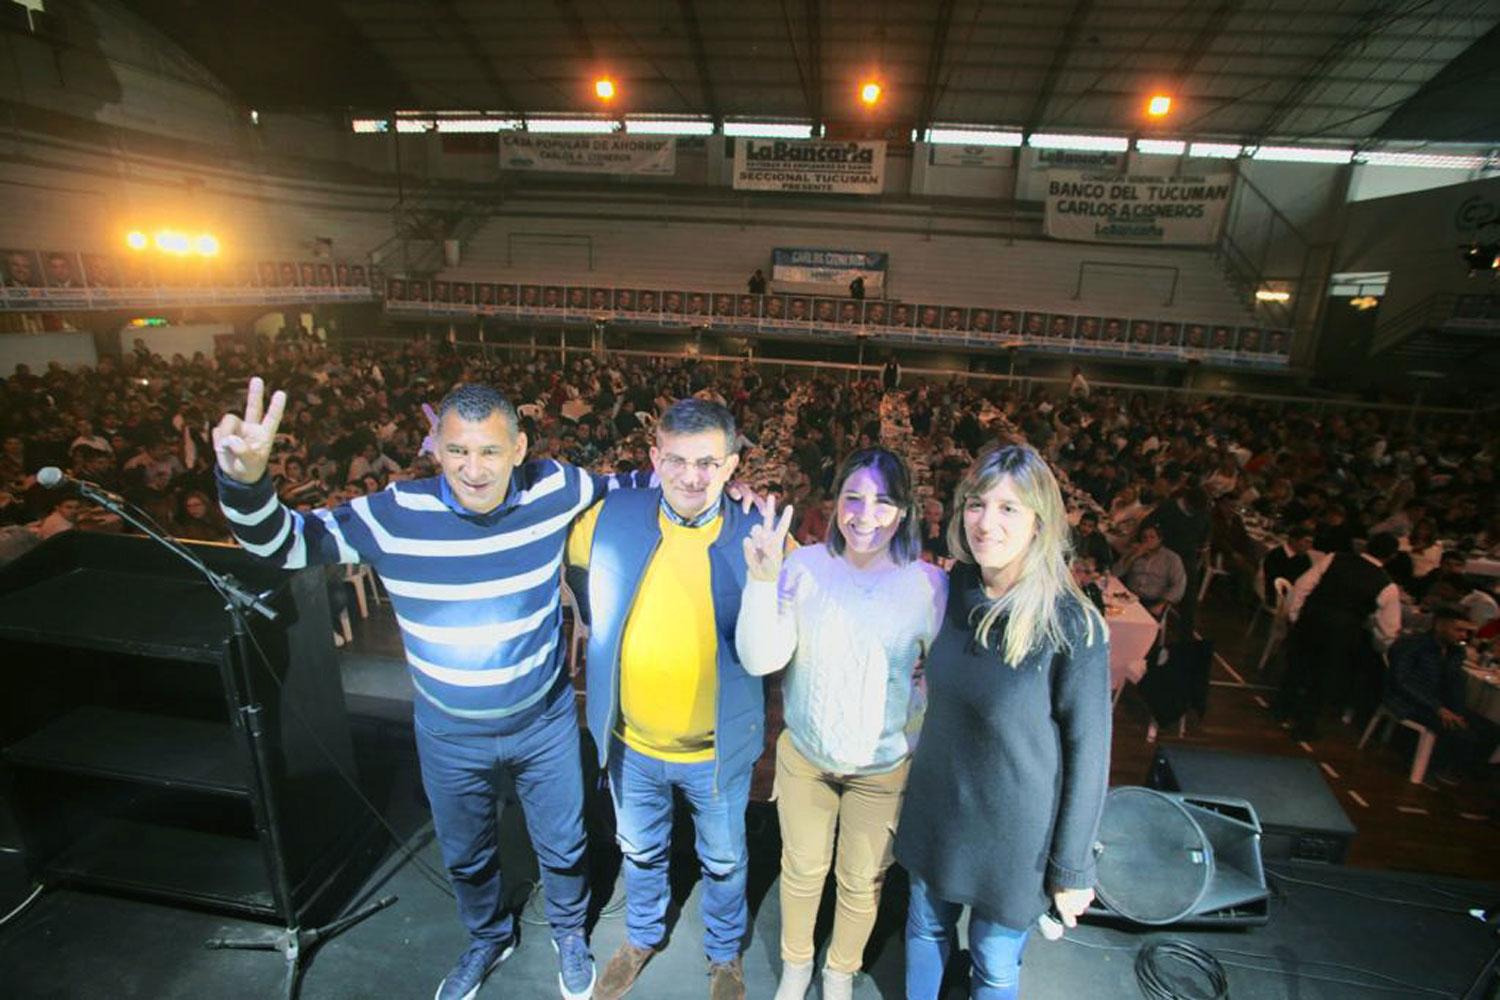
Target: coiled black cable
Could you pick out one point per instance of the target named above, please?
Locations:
(1156, 985)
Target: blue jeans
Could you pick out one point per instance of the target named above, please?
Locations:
(642, 789)
(461, 777)
(994, 949)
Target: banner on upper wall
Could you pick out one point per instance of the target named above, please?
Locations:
(829, 268)
(589, 154)
(949, 155)
(809, 166)
(1136, 208)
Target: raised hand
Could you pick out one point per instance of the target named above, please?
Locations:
(242, 445)
(766, 545)
(429, 443)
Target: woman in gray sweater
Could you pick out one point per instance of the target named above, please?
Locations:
(1007, 786)
(849, 619)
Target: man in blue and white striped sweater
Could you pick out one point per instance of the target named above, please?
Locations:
(472, 562)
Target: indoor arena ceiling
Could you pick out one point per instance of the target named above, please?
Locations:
(1245, 69)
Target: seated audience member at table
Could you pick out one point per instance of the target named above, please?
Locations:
(1426, 683)
(1185, 523)
(1287, 561)
(1401, 523)
(1152, 572)
(1086, 575)
(933, 531)
(1334, 532)
(1089, 541)
(1330, 607)
(1420, 558)
(1127, 509)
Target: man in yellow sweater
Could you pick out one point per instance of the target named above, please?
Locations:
(669, 705)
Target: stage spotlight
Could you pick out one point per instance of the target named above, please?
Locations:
(1159, 106)
(207, 245)
(870, 93)
(604, 89)
(136, 240)
(1481, 257)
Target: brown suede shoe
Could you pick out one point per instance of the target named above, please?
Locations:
(620, 974)
(726, 980)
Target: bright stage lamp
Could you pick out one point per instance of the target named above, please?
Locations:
(604, 89)
(870, 93)
(1159, 106)
(136, 240)
(207, 245)
(171, 241)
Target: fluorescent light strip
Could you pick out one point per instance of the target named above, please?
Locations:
(973, 137)
(573, 126)
(1215, 150)
(415, 125)
(370, 125)
(478, 124)
(1303, 154)
(1161, 147)
(1450, 162)
(669, 126)
(769, 130)
(1091, 143)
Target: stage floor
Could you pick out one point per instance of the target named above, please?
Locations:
(72, 944)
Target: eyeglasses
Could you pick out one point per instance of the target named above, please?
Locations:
(676, 464)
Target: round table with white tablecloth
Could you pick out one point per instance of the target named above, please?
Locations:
(1132, 631)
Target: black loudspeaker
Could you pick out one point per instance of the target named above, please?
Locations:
(1166, 858)
(1301, 819)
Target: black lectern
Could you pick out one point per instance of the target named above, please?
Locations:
(146, 752)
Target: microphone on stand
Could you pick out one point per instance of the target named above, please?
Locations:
(54, 478)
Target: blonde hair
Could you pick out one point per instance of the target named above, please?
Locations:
(1033, 608)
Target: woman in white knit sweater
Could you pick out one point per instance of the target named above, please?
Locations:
(853, 617)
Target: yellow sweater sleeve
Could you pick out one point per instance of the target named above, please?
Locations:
(581, 537)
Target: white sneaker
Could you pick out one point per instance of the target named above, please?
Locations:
(837, 985)
(795, 979)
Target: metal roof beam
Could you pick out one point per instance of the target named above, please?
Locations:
(575, 24)
(814, 62)
(1379, 17)
(700, 58)
(1080, 13)
(452, 19)
(934, 72)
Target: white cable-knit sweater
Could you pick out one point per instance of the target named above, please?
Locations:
(853, 702)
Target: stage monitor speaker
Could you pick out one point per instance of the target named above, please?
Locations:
(1300, 817)
(1167, 858)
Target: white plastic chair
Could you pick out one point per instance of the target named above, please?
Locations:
(1426, 740)
(580, 628)
(359, 576)
(1213, 565)
(1279, 621)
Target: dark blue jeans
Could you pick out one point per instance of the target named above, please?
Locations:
(461, 776)
(931, 930)
(642, 789)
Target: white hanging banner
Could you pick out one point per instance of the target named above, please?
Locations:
(589, 154)
(809, 165)
(1136, 208)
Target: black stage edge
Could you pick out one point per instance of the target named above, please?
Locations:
(81, 945)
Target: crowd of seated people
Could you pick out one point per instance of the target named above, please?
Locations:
(1152, 472)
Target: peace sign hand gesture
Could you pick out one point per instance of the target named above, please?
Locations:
(766, 545)
(243, 445)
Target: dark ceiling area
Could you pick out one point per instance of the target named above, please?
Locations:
(1250, 70)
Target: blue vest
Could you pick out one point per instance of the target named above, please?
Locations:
(626, 537)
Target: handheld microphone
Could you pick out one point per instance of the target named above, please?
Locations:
(1051, 924)
(51, 477)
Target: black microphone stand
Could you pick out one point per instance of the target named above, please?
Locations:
(292, 941)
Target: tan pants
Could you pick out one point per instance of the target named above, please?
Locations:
(812, 804)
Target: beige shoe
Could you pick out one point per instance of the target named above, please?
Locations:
(837, 985)
(726, 980)
(623, 970)
(795, 979)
